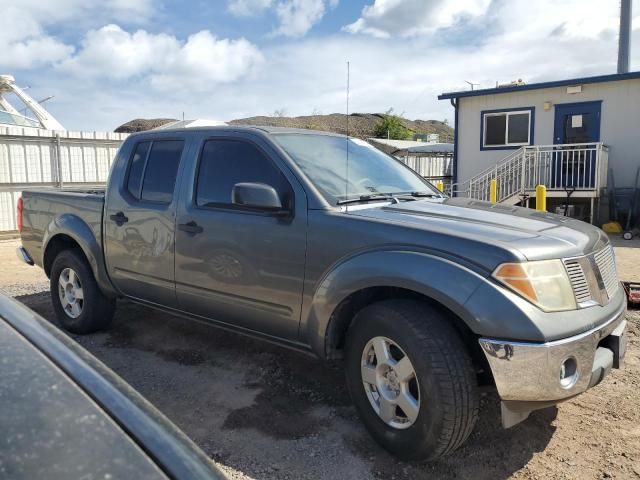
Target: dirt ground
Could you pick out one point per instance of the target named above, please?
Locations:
(260, 411)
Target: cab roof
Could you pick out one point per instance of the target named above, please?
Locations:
(262, 128)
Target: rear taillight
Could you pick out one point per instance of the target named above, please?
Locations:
(19, 209)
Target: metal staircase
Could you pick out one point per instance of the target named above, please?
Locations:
(582, 166)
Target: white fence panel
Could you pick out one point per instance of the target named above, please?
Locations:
(51, 160)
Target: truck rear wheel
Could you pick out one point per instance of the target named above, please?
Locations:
(77, 300)
(411, 379)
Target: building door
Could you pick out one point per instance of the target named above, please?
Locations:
(577, 128)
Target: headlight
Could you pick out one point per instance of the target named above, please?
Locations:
(544, 283)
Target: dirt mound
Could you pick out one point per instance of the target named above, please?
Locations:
(141, 124)
(361, 125)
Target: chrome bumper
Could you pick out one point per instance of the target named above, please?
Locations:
(24, 256)
(546, 373)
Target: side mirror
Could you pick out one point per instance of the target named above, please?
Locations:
(256, 195)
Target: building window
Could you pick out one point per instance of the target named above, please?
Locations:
(507, 128)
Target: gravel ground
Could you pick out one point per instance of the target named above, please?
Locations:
(261, 411)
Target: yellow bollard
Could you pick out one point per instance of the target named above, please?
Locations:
(493, 191)
(541, 198)
(440, 185)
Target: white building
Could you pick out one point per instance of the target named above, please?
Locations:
(565, 134)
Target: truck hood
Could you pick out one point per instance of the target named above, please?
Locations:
(535, 235)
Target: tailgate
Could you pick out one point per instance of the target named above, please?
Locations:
(48, 211)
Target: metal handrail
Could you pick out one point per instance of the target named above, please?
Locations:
(551, 165)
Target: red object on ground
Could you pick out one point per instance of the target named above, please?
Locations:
(633, 292)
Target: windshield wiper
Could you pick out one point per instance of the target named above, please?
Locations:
(395, 197)
(365, 198)
(425, 194)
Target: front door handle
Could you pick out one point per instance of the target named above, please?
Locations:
(190, 227)
(119, 218)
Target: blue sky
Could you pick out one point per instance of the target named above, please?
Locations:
(110, 61)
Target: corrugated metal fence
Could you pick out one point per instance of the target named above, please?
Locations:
(43, 158)
(433, 167)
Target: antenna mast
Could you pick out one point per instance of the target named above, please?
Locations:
(346, 185)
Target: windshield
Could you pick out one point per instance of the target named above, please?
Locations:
(323, 158)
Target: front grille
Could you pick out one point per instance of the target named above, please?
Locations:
(589, 274)
(606, 262)
(578, 280)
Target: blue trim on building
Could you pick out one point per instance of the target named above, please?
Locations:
(532, 123)
(578, 104)
(537, 86)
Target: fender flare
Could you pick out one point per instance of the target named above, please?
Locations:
(80, 232)
(443, 280)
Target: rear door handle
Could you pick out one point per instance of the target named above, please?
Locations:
(190, 227)
(119, 218)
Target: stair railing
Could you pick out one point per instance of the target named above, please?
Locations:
(555, 166)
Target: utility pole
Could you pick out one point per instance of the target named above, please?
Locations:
(624, 39)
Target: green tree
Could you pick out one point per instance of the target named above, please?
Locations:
(391, 126)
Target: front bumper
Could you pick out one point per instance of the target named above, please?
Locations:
(535, 375)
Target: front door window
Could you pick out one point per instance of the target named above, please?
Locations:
(577, 127)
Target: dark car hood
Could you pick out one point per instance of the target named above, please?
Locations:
(535, 235)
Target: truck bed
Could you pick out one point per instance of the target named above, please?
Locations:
(42, 206)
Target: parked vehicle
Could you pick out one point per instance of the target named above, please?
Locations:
(65, 415)
(324, 244)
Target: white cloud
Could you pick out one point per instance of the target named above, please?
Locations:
(33, 52)
(204, 61)
(578, 18)
(165, 61)
(53, 11)
(114, 53)
(295, 17)
(248, 8)
(386, 18)
(23, 26)
(132, 11)
(298, 16)
(25, 45)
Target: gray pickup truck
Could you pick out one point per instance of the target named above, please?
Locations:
(322, 243)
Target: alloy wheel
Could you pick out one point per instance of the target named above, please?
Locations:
(70, 293)
(391, 383)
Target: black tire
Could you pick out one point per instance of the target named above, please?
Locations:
(446, 379)
(97, 309)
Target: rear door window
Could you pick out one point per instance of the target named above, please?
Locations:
(136, 169)
(153, 170)
(161, 171)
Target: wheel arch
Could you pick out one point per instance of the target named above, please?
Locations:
(380, 275)
(68, 231)
(344, 314)
(55, 245)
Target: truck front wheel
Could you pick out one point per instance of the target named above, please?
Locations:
(77, 300)
(411, 379)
